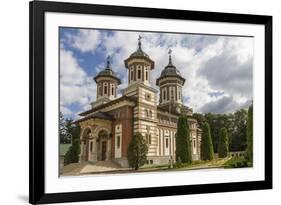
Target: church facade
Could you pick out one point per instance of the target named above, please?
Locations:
(108, 127)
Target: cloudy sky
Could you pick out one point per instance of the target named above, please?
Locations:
(218, 69)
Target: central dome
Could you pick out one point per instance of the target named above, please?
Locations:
(139, 53)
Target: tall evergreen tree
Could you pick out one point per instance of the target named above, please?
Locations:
(250, 134)
(183, 147)
(137, 151)
(207, 150)
(223, 146)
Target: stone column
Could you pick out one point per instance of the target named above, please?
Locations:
(95, 148)
(108, 151)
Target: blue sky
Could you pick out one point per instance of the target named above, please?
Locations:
(218, 69)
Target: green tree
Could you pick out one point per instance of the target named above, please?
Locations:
(207, 150)
(183, 147)
(200, 118)
(72, 155)
(223, 146)
(238, 140)
(137, 151)
(62, 129)
(250, 134)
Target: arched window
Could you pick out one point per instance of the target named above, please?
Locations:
(105, 89)
(132, 74)
(139, 74)
(112, 90)
(164, 94)
(146, 74)
(100, 90)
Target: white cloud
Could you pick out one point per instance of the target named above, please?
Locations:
(76, 87)
(209, 64)
(85, 40)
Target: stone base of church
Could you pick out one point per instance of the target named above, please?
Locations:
(123, 162)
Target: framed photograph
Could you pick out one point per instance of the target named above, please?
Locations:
(130, 102)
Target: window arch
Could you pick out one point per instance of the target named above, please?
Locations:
(139, 74)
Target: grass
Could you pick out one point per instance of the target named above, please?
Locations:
(237, 162)
(200, 164)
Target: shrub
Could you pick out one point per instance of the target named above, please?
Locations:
(72, 155)
(237, 162)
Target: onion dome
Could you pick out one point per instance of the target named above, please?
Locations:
(170, 70)
(107, 72)
(139, 53)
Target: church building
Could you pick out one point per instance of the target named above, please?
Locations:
(108, 127)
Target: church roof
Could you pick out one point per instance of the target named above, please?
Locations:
(170, 70)
(139, 53)
(124, 97)
(99, 115)
(107, 72)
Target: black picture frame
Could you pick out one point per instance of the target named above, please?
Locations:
(37, 11)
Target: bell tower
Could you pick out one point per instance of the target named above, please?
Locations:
(107, 82)
(139, 66)
(170, 83)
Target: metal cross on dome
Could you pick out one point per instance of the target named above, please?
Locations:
(139, 39)
(170, 58)
(108, 61)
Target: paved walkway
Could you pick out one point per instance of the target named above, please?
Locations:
(89, 167)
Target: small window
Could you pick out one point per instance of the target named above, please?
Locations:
(139, 74)
(151, 161)
(146, 75)
(148, 138)
(100, 90)
(118, 141)
(105, 89)
(172, 94)
(194, 143)
(147, 97)
(164, 94)
(167, 142)
(112, 90)
(150, 113)
(132, 74)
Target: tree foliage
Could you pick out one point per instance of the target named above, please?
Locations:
(183, 147)
(72, 155)
(250, 134)
(223, 146)
(207, 150)
(137, 151)
(65, 129)
(235, 123)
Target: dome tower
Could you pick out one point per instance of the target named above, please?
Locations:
(107, 82)
(170, 83)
